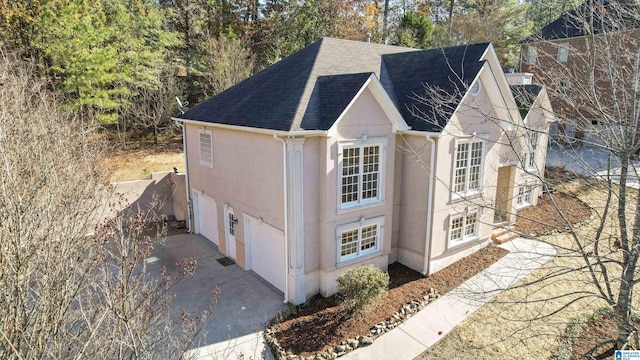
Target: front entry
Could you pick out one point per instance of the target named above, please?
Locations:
(504, 195)
(230, 229)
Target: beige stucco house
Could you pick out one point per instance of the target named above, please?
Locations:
(335, 157)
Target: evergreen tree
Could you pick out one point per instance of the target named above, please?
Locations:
(99, 52)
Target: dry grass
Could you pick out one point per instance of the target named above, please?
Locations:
(503, 328)
(139, 164)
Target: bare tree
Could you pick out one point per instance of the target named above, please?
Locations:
(599, 94)
(150, 109)
(228, 61)
(72, 282)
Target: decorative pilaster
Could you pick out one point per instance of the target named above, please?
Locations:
(295, 219)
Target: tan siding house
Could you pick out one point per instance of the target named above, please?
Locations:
(332, 158)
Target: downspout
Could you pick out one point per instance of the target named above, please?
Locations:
(186, 175)
(433, 140)
(286, 231)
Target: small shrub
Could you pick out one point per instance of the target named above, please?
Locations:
(361, 286)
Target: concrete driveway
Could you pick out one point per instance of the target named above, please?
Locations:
(246, 304)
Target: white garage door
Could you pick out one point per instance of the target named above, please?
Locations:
(207, 217)
(266, 245)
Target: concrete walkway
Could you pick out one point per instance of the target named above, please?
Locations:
(428, 326)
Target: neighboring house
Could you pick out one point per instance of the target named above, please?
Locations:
(559, 57)
(319, 163)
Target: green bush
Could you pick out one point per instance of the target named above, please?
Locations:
(361, 286)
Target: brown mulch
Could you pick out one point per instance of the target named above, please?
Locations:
(594, 333)
(323, 322)
(545, 217)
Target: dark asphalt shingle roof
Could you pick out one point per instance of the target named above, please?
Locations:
(334, 93)
(596, 14)
(439, 74)
(309, 89)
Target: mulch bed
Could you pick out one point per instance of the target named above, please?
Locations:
(545, 218)
(322, 323)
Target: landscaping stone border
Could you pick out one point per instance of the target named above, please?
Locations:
(400, 316)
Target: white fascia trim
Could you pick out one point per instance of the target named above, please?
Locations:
(384, 101)
(502, 105)
(500, 80)
(445, 130)
(420, 133)
(545, 104)
(492, 58)
(303, 133)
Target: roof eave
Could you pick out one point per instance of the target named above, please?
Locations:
(296, 133)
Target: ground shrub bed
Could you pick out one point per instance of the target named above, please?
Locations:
(323, 323)
(544, 218)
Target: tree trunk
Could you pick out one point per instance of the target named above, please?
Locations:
(622, 309)
(451, 19)
(385, 22)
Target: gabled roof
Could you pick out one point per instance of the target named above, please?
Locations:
(334, 93)
(418, 74)
(309, 89)
(598, 15)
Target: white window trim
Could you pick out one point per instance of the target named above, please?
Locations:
(202, 161)
(364, 141)
(358, 225)
(532, 55)
(565, 56)
(527, 156)
(526, 187)
(475, 88)
(467, 193)
(465, 238)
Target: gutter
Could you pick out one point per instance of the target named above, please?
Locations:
(303, 133)
(420, 133)
(286, 227)
(186, 175)
(433, 139)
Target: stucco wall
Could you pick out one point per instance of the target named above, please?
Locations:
(247, 175)
(365, 117)
(158, 192)
(314, 198)
(479, 115)
(414, 180)
(179, 195)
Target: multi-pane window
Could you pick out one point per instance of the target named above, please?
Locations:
(563, 53)
(464, 226)
(524, 195)
(468, 167)
(232, 224)
(533, 147)
(358, 239)
(532, 55)
(206, 148)
(361, 174)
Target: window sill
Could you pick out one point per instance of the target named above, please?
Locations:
(350, 208)
(456, 197)
(523, 206)
(344, 263)
(209, 165)
(454, 244)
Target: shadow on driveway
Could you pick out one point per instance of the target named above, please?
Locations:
(246, 304)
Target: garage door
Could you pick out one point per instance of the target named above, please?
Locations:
(207, 217)
(266, 245)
